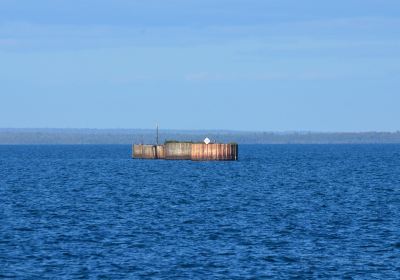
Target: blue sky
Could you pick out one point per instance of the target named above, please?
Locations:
(266, 65)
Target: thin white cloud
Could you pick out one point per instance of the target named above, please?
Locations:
(265, 76)
(290, 35)
(205, 76)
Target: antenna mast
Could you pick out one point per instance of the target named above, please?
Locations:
(157, 135)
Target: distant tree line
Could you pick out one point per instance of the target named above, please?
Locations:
(130, 136)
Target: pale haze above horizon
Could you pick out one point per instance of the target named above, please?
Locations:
(265, 65)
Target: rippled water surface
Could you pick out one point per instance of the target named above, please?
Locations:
(280, 211)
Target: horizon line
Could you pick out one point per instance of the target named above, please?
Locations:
(202, 130)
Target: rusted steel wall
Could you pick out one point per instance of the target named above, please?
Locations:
(160, 151)
(214, 152)
(144, 151)
(187, 151)
(178, 150)
(148, 151)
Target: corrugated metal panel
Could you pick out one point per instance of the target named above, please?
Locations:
(214, 152)
(187, 151)
(148, 151)
(178, 150)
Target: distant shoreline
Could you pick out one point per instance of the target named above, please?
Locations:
(31, 136)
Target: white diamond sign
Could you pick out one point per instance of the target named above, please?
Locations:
(207, 141)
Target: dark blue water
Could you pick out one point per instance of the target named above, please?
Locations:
(281, 211)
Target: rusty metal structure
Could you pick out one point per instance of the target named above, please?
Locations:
(149, 151)
(214, 151)
(187, 151)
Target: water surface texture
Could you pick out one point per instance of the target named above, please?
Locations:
(284, 211)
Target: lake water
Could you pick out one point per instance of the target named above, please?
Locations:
(285, 211)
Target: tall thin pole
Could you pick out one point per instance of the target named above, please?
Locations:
(157, 134)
